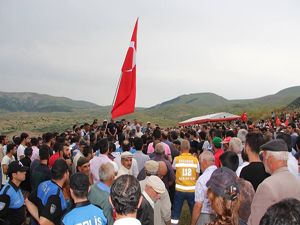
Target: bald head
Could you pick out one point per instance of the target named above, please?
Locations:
(162, 169)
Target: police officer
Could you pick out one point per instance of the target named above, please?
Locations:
(12, 209)
(47, 204)
(84, 212)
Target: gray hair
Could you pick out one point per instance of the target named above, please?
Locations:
(159, 148)
(185, 145)
(242, 135)
(106, 171)
(235, 145)
(208, 156)
(281, 155)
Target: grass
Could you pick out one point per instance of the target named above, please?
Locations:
(185, 217)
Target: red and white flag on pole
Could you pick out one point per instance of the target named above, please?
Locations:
(124, 102)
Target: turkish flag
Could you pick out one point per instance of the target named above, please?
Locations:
(244, 117)
(278, 123)
(125, 100)
(286, 122)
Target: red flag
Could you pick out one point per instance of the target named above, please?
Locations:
(286, 122)
(244, 117)
(125, 101)
(278, 123)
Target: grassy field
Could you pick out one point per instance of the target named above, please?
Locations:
(185, 217)
(14, 123)
(37, 123)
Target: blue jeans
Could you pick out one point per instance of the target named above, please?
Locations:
(179, 198)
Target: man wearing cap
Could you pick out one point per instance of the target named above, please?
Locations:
(12, 209)
(47, 204)
(202, 211)
(84, 212)
(83, 166)
(151, 168)
(217, 149)
(162, 207)
(126, 163)
(187, 171)
(281, 184)
(223, 193)
(292, 161)
(118, 158)
(153, 189)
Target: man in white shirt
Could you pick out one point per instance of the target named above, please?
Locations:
(7, 159)
(24, 142)
(97, 161)
(202, 211)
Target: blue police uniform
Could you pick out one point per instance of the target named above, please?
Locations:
(85, 213)
(49, 199)
(12, 209)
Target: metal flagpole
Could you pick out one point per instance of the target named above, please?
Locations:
(115, 93)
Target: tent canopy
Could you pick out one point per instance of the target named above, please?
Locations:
(216, 117)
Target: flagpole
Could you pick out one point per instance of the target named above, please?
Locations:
(115, 93)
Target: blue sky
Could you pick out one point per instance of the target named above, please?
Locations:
(236, 49)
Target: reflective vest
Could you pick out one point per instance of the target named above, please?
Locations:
(187, 167)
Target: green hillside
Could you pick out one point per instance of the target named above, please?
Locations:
(33, 102)
(39, 113)
(200, 99)
(294, 105)
(187, 106)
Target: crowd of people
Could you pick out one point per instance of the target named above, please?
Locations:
(122, 172)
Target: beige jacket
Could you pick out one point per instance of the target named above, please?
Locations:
(280, 185)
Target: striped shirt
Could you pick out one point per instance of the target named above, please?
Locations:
(201, 188)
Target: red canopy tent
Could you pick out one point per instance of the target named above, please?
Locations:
(216, 117)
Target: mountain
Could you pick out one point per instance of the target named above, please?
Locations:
(200, 99)
(33, 102)
(176, 109)
(39, 113)
(186, 106)
(280, 99)
(294, 104)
